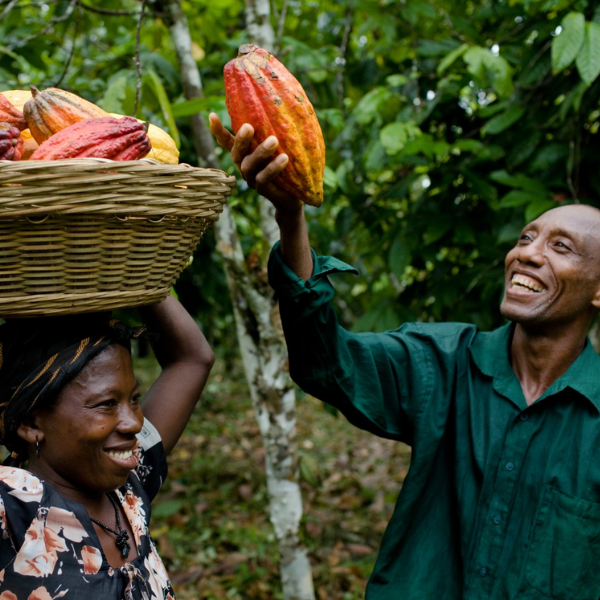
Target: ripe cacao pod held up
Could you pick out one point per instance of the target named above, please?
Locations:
(107, 137)
(53, 110)
(261, 91)
(11, 142)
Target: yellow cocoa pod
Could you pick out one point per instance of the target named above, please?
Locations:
(163, 146)
(29, 144)
(17, 97)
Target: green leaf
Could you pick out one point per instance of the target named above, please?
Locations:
(468, 145)
(519, 181)
(490, 70)
(399, 257)
(368, 106)
(509, 233)
(394, 136)
(568, 42)
(114, 95)
(450, 58)
(537, 207)
(549, 155)
(518, 198)
(330, 178)
(396, 80)
(524, 148)
(158, 88)
(189, 107)
(588, 59)
(492, 109)
(436, 230)
(504, 120)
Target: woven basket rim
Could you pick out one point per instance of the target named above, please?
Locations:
(98, 185)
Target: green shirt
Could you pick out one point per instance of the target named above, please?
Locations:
(502, 500)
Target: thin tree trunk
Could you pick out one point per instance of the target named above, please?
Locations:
(258, 329)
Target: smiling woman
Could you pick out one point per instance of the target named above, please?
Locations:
(76, 520)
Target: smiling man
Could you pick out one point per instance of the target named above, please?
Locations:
(502, 499)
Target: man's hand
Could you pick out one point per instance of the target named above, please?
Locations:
(258, 168)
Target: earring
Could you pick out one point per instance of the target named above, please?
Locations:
(37, 447)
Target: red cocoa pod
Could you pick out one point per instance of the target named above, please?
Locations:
(11, 114)
(11, 142)
(261, 91)
(115, 138)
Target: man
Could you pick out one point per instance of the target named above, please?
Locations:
(502, 499)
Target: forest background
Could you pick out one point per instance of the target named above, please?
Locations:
(448, 125)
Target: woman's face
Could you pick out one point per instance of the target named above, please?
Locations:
(89, 435)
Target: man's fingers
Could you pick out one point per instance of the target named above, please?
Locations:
(272, 170)
(242, 143)
(255, 162)
(223, 137)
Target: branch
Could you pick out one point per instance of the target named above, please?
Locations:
(138, 64)
(342, 57)
(8, 8)
(108, 11)
(280, 24)
(72, 53)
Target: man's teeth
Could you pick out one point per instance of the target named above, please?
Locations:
(526, 282)
(125, 455)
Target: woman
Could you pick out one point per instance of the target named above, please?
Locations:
(74, 523)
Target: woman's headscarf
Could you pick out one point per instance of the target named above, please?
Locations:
(38, 357)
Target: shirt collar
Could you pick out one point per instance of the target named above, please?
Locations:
(490, 351)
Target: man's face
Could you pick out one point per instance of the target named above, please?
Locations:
(553, 273)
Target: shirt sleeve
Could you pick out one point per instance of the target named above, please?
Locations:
(152, 461)
(381, 382)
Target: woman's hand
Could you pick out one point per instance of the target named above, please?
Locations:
(258, 168)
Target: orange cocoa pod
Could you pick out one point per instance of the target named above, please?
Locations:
(107, 137)
(11, 114)
(259, 90)
(11, 142)
(29, 145)
(53, 110)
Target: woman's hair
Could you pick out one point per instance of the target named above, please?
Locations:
(38, 357)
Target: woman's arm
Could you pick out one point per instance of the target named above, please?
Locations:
(186, 360)
(259, 170)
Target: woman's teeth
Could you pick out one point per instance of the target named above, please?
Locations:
(124, 455)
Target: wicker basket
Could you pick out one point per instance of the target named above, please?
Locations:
(87, 235)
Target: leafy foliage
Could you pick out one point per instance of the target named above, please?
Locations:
(448, 125)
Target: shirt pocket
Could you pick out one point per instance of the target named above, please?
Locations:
(563, 561)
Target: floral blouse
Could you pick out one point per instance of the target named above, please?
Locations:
(49, 548)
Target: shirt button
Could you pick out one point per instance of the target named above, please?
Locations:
(483, 571)
(510, 466)
(497, 519)
(524, 417)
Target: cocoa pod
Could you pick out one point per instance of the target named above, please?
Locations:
(260, 90)
(11, 114)
(11, 142)
(107, 137)
(53, 110)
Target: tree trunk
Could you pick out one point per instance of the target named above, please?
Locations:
(258, 327)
